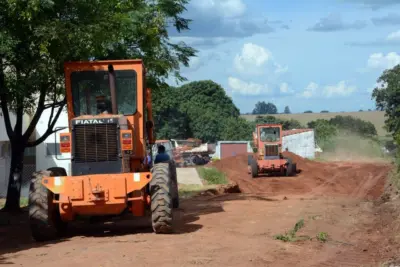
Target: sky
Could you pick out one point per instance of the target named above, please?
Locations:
(306, 54)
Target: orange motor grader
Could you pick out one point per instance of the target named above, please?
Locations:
(110, 130)
(268, 159)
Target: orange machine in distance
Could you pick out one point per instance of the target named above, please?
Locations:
(268, 159)
(110, 129)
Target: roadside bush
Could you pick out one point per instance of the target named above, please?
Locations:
(212, 175)
(354, 125)
(324, 133)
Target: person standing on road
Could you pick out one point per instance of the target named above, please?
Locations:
(162, 156)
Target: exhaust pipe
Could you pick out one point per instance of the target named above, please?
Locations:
(113, 92)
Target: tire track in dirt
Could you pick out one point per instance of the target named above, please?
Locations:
(360, 180)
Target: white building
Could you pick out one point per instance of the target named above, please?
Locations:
(5, 155)
(48, 152)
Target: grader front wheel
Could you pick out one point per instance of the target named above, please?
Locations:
(44, 217)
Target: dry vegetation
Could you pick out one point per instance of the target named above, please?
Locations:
(375, 117)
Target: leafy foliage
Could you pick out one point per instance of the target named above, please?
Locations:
(354, 125)
(387, 98)
(265, 108)
(203, 111)
(236, 129)
(287, 110)
(324, 133)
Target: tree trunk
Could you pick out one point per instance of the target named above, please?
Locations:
(15, 178)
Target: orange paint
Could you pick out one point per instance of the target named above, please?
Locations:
(108, 194)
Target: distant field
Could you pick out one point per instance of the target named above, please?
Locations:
(376, 117)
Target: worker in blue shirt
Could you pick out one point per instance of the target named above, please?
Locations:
(162, 156)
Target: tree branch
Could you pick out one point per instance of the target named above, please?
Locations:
(49, 130)
(38, 113)
(3, 102)
(19, 111)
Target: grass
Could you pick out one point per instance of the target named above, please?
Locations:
(291, 235)
(187, 191)
(23, 202)
(212, 176)
(375, 117)
(349, 146)
(322, 237)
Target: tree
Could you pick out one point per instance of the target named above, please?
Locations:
(324, 111)
(236, 129)
(354, 125)
(287, 110)
(207, 107)
(308, 111)
(387, 99)
(265, 108)
(324, 133)
(37, 37)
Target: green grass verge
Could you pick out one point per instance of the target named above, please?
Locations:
(23, 202)
(187, 191)
(212, 176)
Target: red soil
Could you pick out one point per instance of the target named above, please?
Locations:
(360, 180)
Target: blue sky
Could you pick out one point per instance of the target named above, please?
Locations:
(307, 54)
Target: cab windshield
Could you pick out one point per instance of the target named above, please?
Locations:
(87, 86)
(270, 134)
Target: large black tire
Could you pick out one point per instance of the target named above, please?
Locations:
(44, 217)
(254, 168)
(289, 168)
(174, 184)
(161, 199)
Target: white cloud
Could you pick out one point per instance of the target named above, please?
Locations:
(247, 88)
(285, 89)
(310, 90)
(340, 89)
(280, 69)
(226, 8)
(394, 36)
(381, 61)
(252, 59)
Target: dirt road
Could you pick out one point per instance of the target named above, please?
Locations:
(239, 229)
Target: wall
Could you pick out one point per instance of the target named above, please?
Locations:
(217, 153)
(47, 153)
(4, 168)
(5, 157)
(302, 144)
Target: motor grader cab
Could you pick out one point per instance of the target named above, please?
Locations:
(110, 131)
(268, 158)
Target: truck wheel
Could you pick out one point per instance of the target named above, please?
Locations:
(44, 216)
(289, 168)
(254, 168)
(174, 183)
(161, 199)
